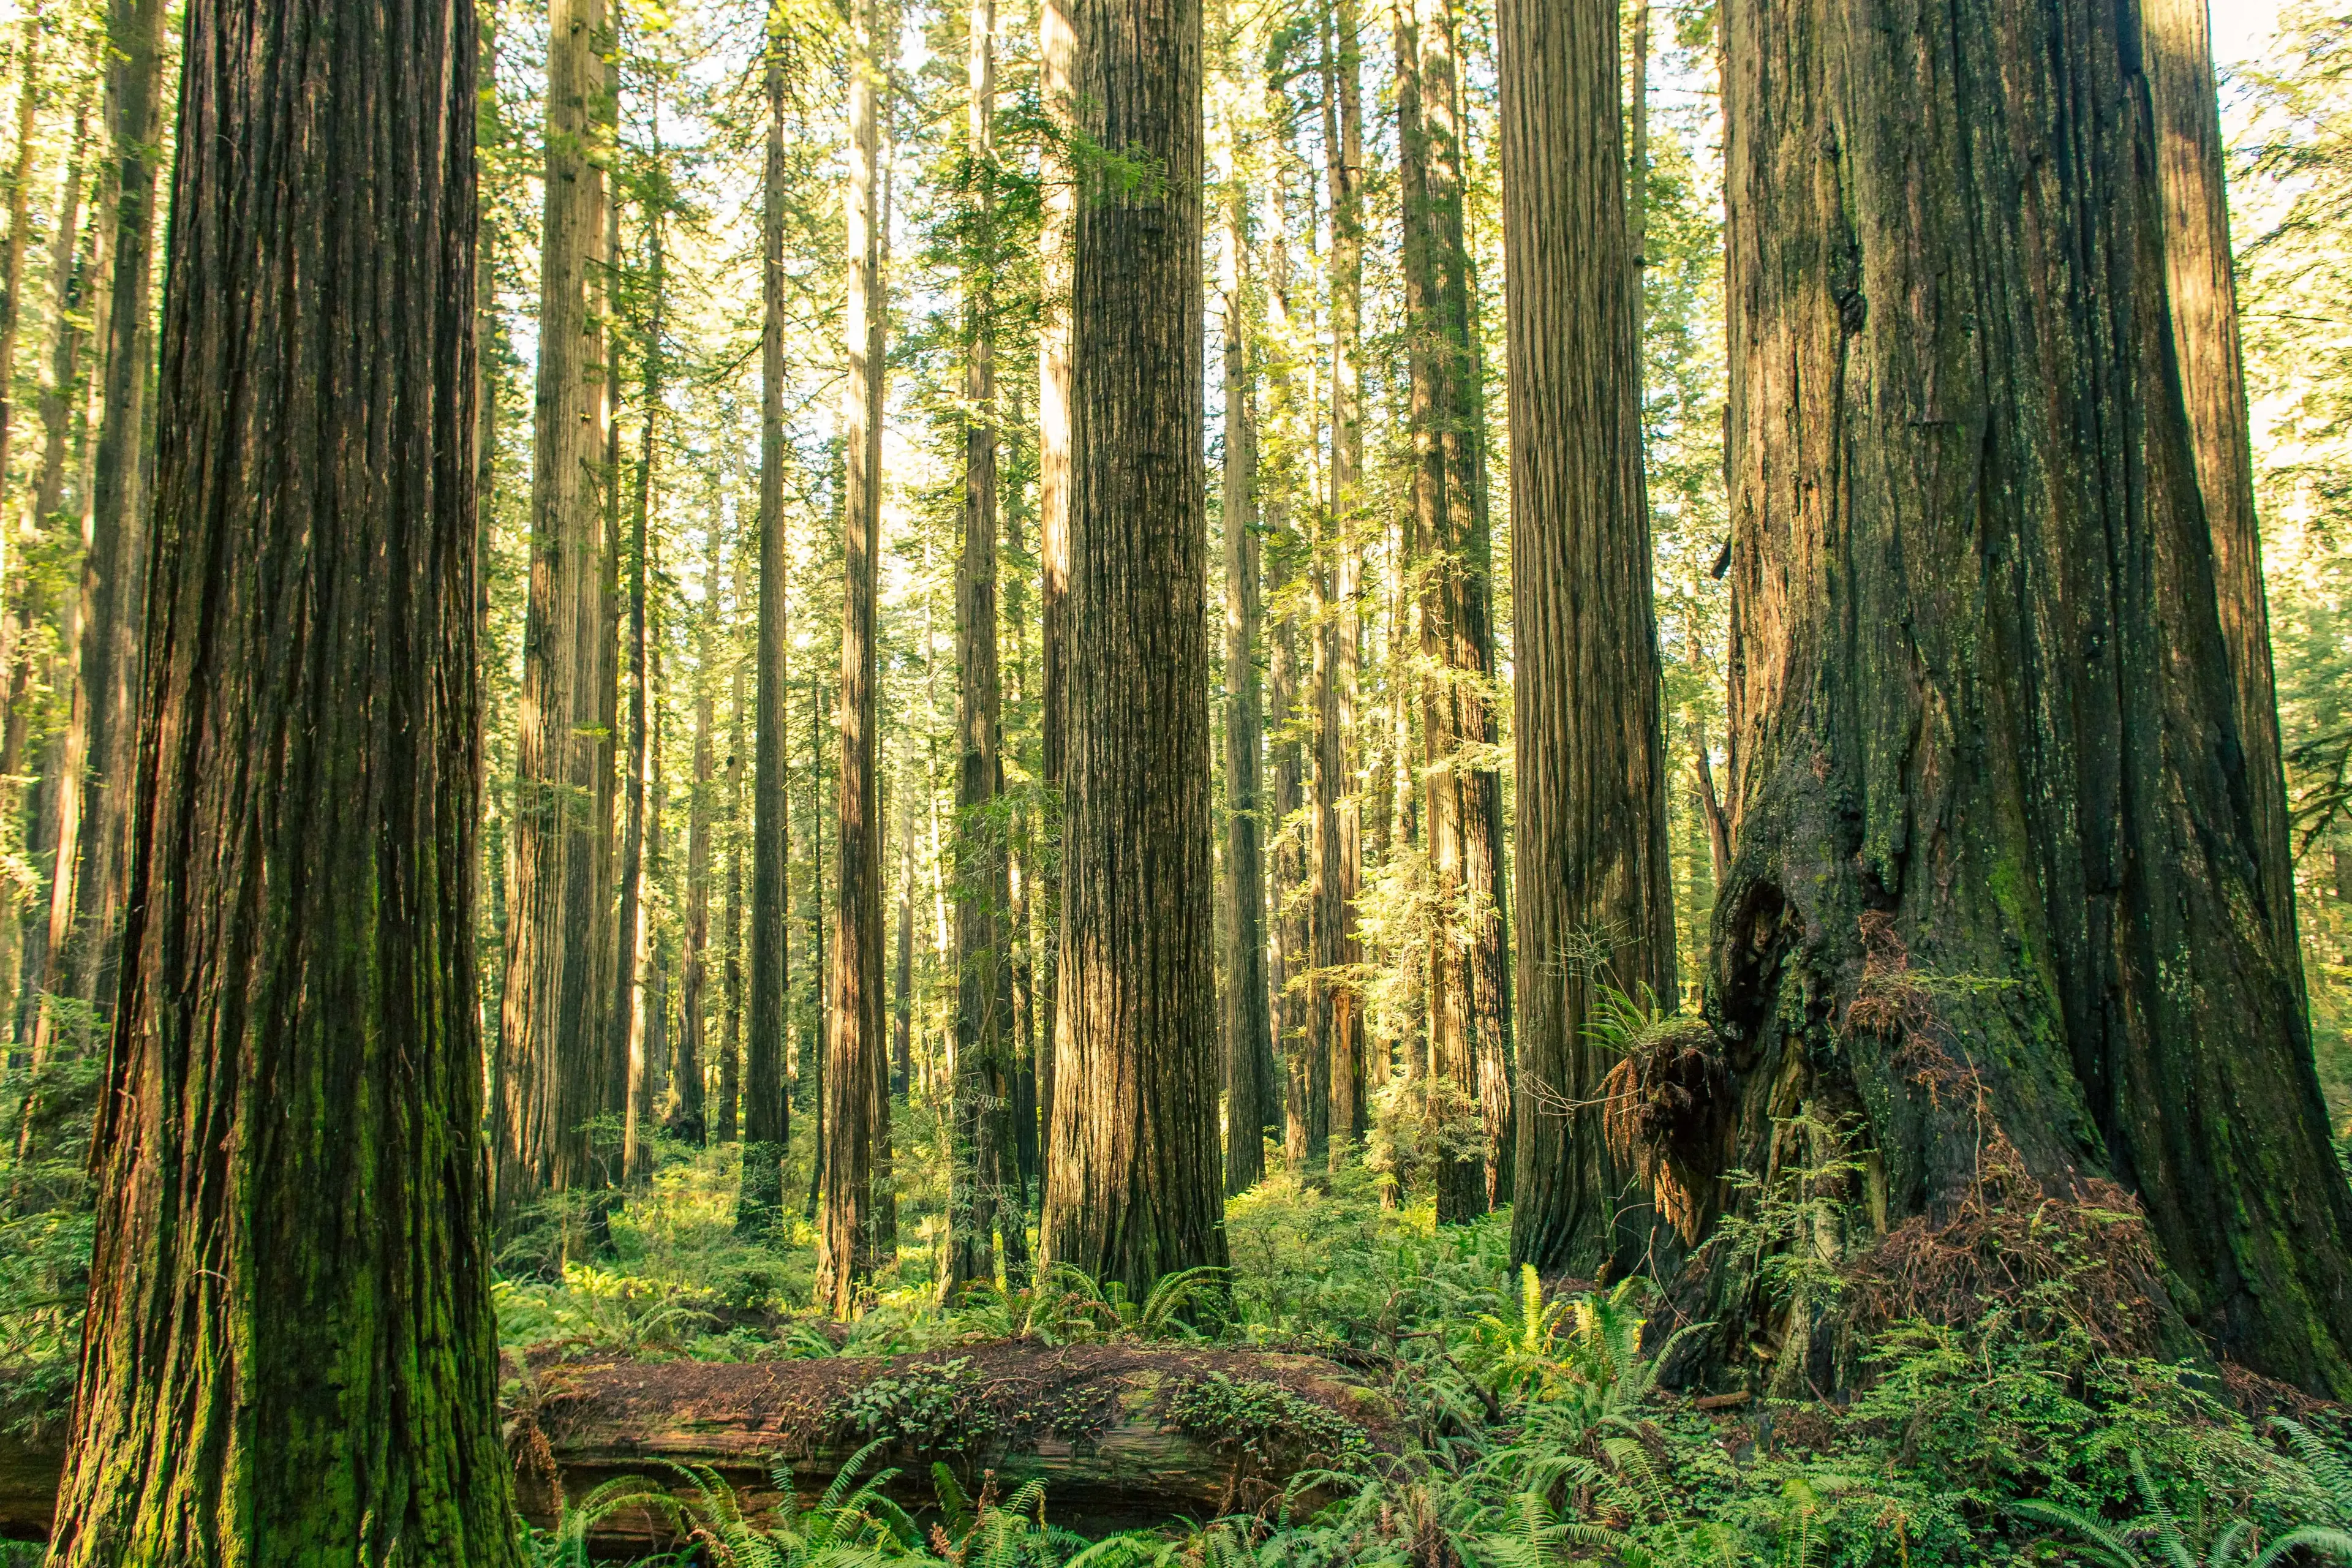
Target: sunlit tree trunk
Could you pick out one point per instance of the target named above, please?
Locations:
(1468, 989)
(2021, 825)
(1133, 1191)
(552, 1006)
(1339, 947)
(848, 1243)
(1056, 50)
(297, 1044)
(1595, 883)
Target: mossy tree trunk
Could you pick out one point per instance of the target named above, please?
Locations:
(1133, 1190)
(291, 1356)
(1595, 885)
(1997, 886)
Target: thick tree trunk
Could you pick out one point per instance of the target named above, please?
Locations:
(1339, 947)
(1250, 1097)
(1468, 988)
(551, 1009)
(983, 1178)
(690, 1123)
(1995, 912)
(1595, 882)
(1287, 955)
(1056, 59)
(1133, 1190)
(766, 1108)
(2201, 292)
(848, 1244)
(296, 1041)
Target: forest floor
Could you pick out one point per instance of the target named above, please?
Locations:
(1365, 1387)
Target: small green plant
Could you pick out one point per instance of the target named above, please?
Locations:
(931, 1406)
(2157, 1539)
(1258, 1418)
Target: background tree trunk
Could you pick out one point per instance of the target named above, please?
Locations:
(297, 1041)
(1250, 1098)
(848, 1248)
(2020, 828)
(1595, 883)
(983, 1178)
(1133, 1190)
(552, 1005)
(1468, 988)
(767, 1111)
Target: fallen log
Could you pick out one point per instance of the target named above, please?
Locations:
(1121, 1434)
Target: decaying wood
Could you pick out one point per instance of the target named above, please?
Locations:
(1090, 1421)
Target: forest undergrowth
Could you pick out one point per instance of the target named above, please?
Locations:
(1534, 1429)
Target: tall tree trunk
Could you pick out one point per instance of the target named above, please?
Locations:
(690, 1124)
(12, 273)
(847, 1242)
(1056, 59)
(1469, 1018)
(96, 764)
(627, 1053)
(552, 1022)
(902, 990)
(2202, 291)
(983, 1174)
(296, 1042)
(1250, 1099)
(2037, 785)
(1340, 945)
(1133, 1192)
(1595, 882)
(739, 833)
(71, 272)
(767, 1109)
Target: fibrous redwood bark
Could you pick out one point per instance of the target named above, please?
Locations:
(1339, 947)
(1594, 881)
(1056, 52)
(984, 1196)
(1133, 1190)
(1469, 1016)
(291, 1356)
(855, 1114)
(1997, 886)
(1251, 1096)
(552, 1006)
(766, 1110)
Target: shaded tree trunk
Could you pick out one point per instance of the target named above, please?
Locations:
(1995, 910)
(1595, 882)
(690, 1123)
(551, 1009)
(296, 1041)
(983, 1176)
(848, 1240)
(766, 1108)
(1251, 1100)
(1133, 1190)
(739, 833)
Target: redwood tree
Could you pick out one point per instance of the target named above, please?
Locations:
(1594, 884)
(1132, 1190)
(1997, 907)
(291, 1355)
